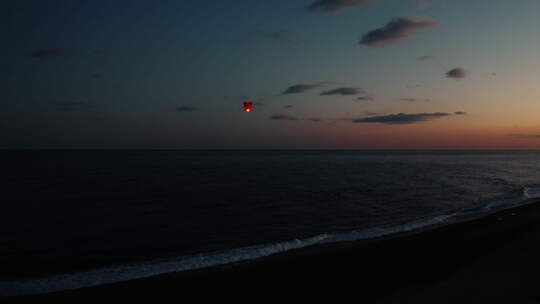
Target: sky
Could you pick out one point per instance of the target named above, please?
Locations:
(322, 74)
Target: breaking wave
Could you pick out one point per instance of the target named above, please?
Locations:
(122, 273)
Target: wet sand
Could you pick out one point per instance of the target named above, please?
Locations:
(494, 258)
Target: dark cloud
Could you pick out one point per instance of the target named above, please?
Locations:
(424, 58)
(396, 30)
(526, 136)
(364, 98)
(415, 99)
(288, 106)
(282, 117)
(401, 118)
(186, 109)
(300, 88)
(460, 113)
(47, 53)
(456, 73)
(343, 91)
(314, 119)
(338, 5)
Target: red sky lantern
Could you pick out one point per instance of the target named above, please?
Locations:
(248, 106)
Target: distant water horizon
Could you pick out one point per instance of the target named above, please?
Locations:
(75, 218)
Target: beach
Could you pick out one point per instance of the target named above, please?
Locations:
(493, 258)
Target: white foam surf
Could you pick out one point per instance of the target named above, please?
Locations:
(122, 273)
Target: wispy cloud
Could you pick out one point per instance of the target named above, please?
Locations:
(401, 118)
(397, 30)
(456, 73)
(424, 58)
(460, 113)
(415, 99)
(300, 88)
(282, 117)
(329, 6)
(364, 98)
(288, 106)
(186, 109)
(344, 91)
(314, 119)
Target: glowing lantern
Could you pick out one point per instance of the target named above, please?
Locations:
(248, 106)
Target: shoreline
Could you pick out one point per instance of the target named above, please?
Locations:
(401, 264)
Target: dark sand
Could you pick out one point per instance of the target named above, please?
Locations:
(492, 259)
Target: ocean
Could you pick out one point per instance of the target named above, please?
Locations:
(73, 219)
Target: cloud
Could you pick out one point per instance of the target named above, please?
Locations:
(300, 88)
(186, 109)
(460, 113)
(328, 6)
(47, 53)
(415, 99)
(456, 73)
(343, 91)
(288, 106)
(401, 118)
(282, 117)
(364, 98)
(424, 58)
(526, 136)
(314, 119)
(396, 30)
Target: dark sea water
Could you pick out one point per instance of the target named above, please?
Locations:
(71, 219)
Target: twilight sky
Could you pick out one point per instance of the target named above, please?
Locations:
(323, 74)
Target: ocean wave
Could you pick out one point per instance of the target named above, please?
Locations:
(122, 273)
